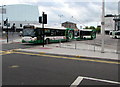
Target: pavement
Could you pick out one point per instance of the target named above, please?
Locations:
(82, 50)
(72, 52)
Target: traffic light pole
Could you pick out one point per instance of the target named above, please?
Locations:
(7, 32)
(6, 21)
(43, 20)
(43, 28)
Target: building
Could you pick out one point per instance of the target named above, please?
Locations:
(20, 14)
(109, 24)
(69, 25)
(112, 22)
(119, 7)
(119, 15)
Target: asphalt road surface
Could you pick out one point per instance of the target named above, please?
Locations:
(17, 46)
(23, 68)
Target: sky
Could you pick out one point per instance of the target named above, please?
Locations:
(81, 12)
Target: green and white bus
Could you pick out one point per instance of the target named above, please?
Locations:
(85, 34)
(34, 34)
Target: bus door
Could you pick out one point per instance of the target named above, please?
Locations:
(39, 33)
(76, 34)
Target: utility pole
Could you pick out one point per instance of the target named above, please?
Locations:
(103, 26)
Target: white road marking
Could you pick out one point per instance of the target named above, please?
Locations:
(77, 81)
(108, 81)
(80, 78)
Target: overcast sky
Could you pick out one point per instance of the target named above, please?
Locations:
(84, 13)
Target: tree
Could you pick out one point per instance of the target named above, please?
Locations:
(86, 27)
(91, 27)
(98, 30)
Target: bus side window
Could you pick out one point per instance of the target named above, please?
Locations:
(60, 33)
(47, 32)
(53, 33)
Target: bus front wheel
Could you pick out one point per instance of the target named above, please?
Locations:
(115, 37)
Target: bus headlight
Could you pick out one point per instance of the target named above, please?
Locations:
(33, 39)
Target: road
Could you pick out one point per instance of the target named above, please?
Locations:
(24, 68)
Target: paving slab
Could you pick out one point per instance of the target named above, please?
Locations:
(73, 52)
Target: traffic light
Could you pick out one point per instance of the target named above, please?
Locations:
(6, 22)
(40, 19)
(20, 25)
(45, 19)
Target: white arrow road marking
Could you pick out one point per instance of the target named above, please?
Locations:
(77, 81)
(80, 78)
(108, 81)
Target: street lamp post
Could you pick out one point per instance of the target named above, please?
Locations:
(78, 21)
(2, 14)
(60, 18)
(103, 26)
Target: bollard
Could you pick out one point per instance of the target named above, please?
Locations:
(75, 44)
(60, 43)
(94, 45)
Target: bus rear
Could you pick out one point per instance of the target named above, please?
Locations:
(86, 34)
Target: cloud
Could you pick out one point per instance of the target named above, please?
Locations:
(78, 12)
(85, 12)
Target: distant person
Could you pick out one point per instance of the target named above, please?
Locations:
(13, 28)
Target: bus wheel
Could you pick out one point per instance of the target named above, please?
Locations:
(47, 41)
(115, 37)
(91, 38)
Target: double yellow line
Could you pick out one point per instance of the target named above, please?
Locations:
(61, 57)
(5, 52)
(72, 58)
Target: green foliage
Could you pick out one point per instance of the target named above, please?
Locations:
(86, 27)
(91, 27)
(98, 29)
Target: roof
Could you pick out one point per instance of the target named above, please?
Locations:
(68, 22)
(40, 26)
(85, 29)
